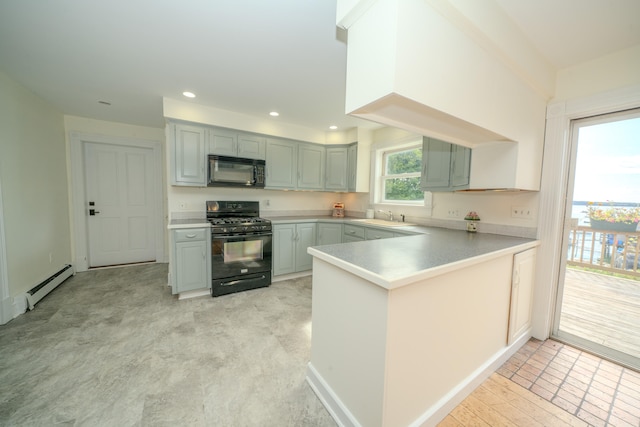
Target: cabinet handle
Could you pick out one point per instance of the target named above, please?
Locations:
(191, 236)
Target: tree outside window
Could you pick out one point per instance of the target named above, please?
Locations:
(401, 175)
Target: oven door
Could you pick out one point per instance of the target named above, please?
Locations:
(240, 255)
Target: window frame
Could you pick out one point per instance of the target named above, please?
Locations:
(382, 177)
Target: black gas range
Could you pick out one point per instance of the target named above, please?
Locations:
(240, 247)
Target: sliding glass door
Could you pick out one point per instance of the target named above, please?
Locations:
(598, 304)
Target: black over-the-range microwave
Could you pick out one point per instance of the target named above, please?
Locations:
(225, 171)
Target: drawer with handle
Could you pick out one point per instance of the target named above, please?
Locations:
(191, 234)
(354, 231)
(374, 233)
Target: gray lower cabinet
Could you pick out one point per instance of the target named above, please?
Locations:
(371, 233)
(329, 234)
(353, 233)
(290, 243)
(191, 267)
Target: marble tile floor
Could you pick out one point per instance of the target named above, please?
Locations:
(113, 347)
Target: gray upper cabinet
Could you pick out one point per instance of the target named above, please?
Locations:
(230, 143)
(223, 142)
(282, 161)
(251, 146)
(311, 167)
(189, 155)
(352, 167)
(445, 166)
(336, 169)
(460, 166)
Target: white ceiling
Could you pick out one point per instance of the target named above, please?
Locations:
(250, 56)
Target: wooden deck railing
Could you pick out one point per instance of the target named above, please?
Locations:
(606, 250)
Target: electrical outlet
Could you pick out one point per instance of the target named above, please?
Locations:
(453, 213)
(521, 212)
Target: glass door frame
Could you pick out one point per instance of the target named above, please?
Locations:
(582, 343)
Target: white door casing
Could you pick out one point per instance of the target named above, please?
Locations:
(6, 303)
(100, 167)
(119, 183)
(553, 191)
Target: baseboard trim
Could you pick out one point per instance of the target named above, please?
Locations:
(433, 415)
(338, 411)
(7, 310)
(444, 406)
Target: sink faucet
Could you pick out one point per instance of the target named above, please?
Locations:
(388, 213)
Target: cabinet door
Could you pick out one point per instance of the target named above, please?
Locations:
(311, 167)
(251, 146)
(281, 164)
(224, 143)
(329, 234)
(460, 166)
(284, 260)
(524, 264)
(189, 156)
(305, 237)
(191, 266)
(352, 167)
(336, 168)
(436, 163)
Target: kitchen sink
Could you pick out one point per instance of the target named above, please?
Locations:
(383, 222)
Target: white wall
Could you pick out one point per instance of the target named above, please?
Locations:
(617, 70)
(33, 172)
(494, 208)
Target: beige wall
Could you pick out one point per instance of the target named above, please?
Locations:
(33, 173)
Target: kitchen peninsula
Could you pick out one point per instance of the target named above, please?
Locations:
(404, 328)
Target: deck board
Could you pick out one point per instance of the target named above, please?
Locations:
(603, 309)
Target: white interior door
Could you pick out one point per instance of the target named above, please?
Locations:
(119, 190)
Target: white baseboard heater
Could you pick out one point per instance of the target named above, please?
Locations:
(40, 291)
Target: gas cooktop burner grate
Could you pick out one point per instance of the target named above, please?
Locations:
(238, 220)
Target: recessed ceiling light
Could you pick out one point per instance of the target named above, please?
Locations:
(189, 94)
(274, 114)
(333, 127)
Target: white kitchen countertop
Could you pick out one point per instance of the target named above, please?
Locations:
(189, 223)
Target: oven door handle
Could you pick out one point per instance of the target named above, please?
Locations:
(235, 282)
